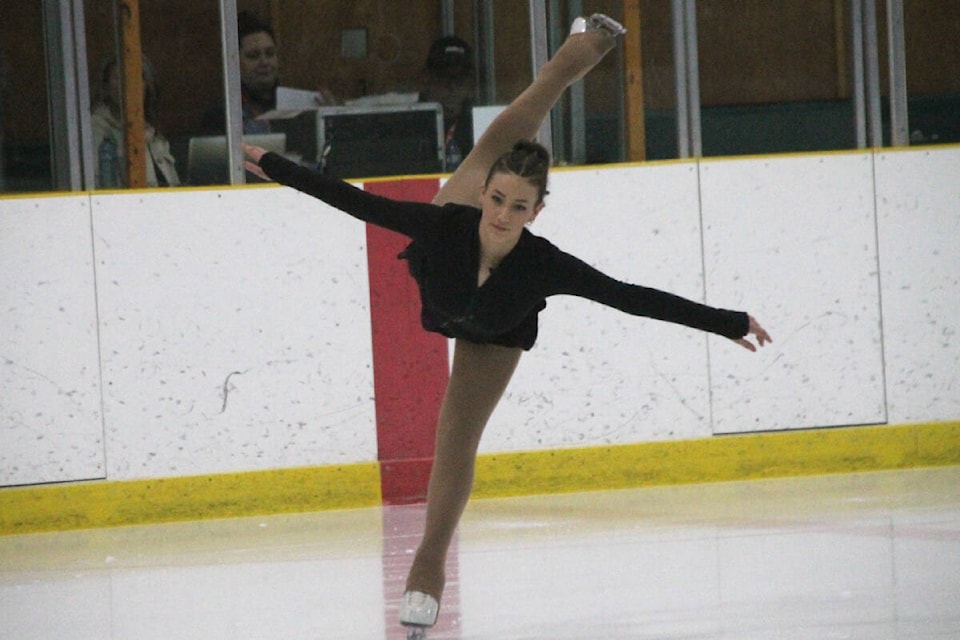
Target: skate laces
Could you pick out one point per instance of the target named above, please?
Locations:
(418, 598)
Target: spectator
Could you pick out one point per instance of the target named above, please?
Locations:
(448, 79)
(259, 79)
(108, 132)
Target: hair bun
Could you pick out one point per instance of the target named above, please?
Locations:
(532, 148)
(529, 160)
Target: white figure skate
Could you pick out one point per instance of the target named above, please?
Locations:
(418, 612)
(598, 21)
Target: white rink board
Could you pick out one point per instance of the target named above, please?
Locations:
(235, 328)
(50, 416)
(918, 203)
(263, 293)
(596, 375)
(792, 241)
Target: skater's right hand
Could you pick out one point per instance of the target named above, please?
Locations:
(254, 153)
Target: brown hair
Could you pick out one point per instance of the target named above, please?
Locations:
(528, 160)
(151, 89)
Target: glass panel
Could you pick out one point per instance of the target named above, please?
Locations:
(603, 95)
(25, 163)
(107, 124)
(593, 109)
(659, 79)
(352, 75)
(184, 46)
(174, 36)
(774, 76)
(932, 34)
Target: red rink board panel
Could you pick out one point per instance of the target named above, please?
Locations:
(410, 364)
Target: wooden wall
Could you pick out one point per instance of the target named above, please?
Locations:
(24, 88)
(933, 46)
(398, 36)
(763, 51)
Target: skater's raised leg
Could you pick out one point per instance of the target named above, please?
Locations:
(522, 119)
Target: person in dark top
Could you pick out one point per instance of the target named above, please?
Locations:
(484, 278)
(448, 79)
(259, 73)
(259, 63)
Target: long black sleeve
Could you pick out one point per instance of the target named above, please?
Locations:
(408, 218)
(575, 277)
(444, 258)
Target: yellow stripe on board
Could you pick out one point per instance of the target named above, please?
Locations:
(735, 457)
(103, 504)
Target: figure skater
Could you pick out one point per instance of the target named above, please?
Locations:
(483, 279)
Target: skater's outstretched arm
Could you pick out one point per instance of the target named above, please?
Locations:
(572, 276)
(408, 218)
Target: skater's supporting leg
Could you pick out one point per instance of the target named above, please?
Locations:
(480, 373)
(478, 379)
(523, 117)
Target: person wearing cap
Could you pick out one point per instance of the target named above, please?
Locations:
(448, 79)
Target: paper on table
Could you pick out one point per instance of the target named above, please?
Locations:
(290, 99)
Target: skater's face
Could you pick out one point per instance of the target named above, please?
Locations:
(508, 202)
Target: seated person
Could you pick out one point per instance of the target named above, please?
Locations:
(109, 144)
(259, 79)
(448, 79)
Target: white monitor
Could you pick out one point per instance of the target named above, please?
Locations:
(482, 117)
(207, 156)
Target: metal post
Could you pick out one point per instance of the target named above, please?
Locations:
(559, 119)
(680, 78)
(578, 104)
(231, 87)
(872, 66)
(693, 78)
(87, 156)
(540, 53)
(483, 55)
(62, 95)
(446, 17)
(856, 46)
(899, 126)
(560, 115)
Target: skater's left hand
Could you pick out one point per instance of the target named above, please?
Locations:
(754, 329)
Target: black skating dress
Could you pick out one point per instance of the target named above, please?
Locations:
(444, 255)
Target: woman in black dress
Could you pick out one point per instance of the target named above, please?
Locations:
(483, 279)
